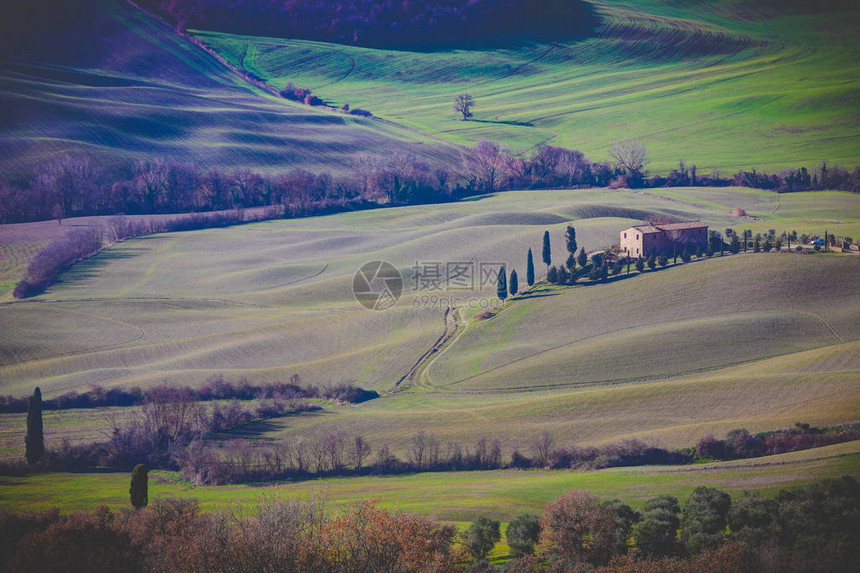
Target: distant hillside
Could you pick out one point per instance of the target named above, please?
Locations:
(417, 23)
(724, 84)
(104, 78)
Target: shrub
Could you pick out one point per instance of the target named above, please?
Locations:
(523, 534)
(703, 519)
(482, 536)
(580, 527)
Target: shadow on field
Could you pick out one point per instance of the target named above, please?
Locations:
(540, 293)
(91, 267)
(500, 122)
(259, 428)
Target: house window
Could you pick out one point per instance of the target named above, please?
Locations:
(625, 235)
(637, 237)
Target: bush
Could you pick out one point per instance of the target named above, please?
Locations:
(482, 536)
(703, 519)
(580, 527)
(523, 534)
(57, 257)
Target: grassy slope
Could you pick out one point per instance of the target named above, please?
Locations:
(248, 301)
(722, 84)
(269, 299)
(451, 496)
(115, 83)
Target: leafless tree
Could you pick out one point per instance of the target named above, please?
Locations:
(360, 450)
(417, 449)
(542, 446)
(630, 155)
(485, 165)
(151, 178)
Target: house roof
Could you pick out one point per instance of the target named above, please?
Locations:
(646, 228)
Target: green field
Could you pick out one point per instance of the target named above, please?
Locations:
(722, 84)
(115, 83)
(458, 497)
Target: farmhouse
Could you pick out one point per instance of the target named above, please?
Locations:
(642, 240)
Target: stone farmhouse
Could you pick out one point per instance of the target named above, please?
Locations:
(642, 240)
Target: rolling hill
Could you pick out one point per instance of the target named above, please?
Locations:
(104, 78)
(669, 355)
(724, 84)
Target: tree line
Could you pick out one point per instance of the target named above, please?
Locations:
(74, 185)
(214, 388)
(814, 528)
(171, 430)
(415, 24)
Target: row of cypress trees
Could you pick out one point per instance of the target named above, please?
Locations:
(502, 288)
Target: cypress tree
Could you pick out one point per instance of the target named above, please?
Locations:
(582, 257)
(139, 490)
(502, 288)
(34, 441)
(530, 269)
(547, 252)
(571, 240)
(515, 284)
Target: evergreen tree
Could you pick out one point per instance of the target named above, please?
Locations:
(582, 257)
(139, 490)
(482, 535)
(530, 269)
(734, 245)
(547, 251)
(34, 441)
(515, 284)
(552, 275)
(523, 534)
(686, 256)
(640, 264)
(502, 287)
(703, 518)
(571, 262)
(652, 261)
(563, 276)
(656, 533)
(570, 238)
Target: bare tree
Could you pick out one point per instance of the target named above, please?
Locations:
(151, 178)
(360, 450)
(630, 155)
(542, 446)
(463, 104)
(417, 449)
(485, 165)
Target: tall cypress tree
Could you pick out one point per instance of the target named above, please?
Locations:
(139, 490)
(502, 288)
(582, 257)
(34, 441)
(515, 283)
(547, 252)
(570, 238)
(530, 269)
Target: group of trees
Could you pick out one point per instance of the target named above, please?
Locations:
(417, 23)
(73, 185)
(815, 528)
(171, 429)
(214, 388)
(579, 532)
(174, 535)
